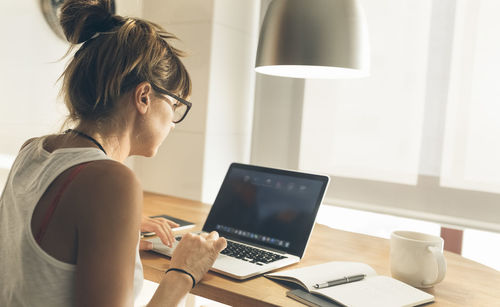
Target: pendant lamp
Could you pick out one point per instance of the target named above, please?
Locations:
(314, 39)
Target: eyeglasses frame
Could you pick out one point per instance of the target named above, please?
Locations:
(181, 100)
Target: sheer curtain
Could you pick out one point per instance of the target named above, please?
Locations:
(471, 152)
(371, 128)
(420, 137)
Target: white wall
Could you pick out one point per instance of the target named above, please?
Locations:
(220, 38)
(30, 61)
(177, 169)
(29, 55)
(231, 90)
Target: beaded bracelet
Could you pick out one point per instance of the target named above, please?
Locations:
(182, 271)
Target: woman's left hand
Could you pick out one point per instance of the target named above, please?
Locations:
(161, 226)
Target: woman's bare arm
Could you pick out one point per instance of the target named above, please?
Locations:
(195, 255)
(109, 199)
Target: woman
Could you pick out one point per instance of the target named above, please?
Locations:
(71, 211)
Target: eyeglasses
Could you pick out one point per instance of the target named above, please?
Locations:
(181, 108)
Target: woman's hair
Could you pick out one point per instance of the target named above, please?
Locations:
(117, 54)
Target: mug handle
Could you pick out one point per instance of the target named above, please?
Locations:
(441, 263)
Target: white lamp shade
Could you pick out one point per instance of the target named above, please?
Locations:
(314, 39)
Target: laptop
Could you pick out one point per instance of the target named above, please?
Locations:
(267, 216)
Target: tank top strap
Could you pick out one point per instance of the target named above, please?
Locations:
(53, 205)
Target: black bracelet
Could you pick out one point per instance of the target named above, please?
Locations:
(182, 271)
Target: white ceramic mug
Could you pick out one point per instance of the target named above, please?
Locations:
(417, 258)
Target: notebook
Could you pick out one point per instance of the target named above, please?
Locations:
(266, 214)
(371, 290)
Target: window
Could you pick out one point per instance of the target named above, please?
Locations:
(420, 137)
(371, 128)
(471, 155)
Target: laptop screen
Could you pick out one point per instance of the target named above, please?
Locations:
(268, 207)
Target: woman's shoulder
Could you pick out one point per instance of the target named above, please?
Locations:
(109, 175)
(106, 185)
(29, 141)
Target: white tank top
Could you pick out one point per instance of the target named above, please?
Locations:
(28, 275)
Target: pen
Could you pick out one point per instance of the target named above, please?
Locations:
(339, 281)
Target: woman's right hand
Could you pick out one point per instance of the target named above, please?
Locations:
(197, 253)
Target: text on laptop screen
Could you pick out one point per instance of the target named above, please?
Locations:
(268, 207)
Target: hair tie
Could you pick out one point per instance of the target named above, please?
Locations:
(182, 271)
(94, 36)
(105, 26)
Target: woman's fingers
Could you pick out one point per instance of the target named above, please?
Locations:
(161, 227)
(164, 232)
(214, 235)
(204, 235)
(172, 224)
(220, 244)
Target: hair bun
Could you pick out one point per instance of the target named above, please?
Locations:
(82, 19)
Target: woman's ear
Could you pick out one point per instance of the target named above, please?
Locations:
(142, 97)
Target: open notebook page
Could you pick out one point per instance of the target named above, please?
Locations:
(376, 291)
(324, 272)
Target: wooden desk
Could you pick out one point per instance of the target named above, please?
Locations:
(467, 283)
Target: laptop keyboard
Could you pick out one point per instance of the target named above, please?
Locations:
(250, 254)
